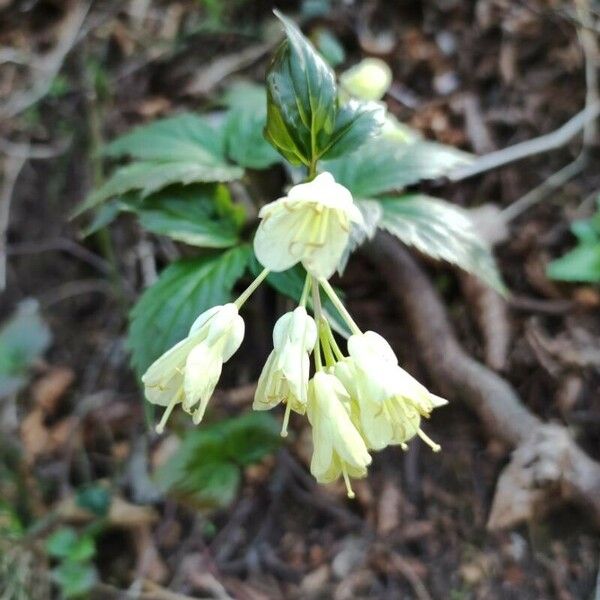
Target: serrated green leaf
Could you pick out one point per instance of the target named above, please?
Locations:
(185, 138)
(245, 143)
(166, 311)
(198, 215)
(149, 177)
(205, 469)
(580, 264)
(301, 98)
(291, 282)
(382, 165)
(23, 339)
(442, 231)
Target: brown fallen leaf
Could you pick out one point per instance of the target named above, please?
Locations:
(49, 389)
(34, 435)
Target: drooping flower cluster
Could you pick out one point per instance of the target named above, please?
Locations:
(355, 402)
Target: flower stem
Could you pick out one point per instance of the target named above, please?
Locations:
(251, 289)
(333, 343)
(305, 290)
(318, 315)
(340, 306)
(323, 335)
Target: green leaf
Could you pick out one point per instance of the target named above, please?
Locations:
(103, 216)
(198, 215)
(245, 94)
(301, 98)
(149, 177)
(580, 264)
(442, 231)
(291, 282)
(94, 498)
(244, 140)
(205, 469)
(75, 580)
(59, 544)
(186, 288)
(381, 165)
(251, 437)
(23, 339)
(185, 138)
(329, 46)
(355, 123)
(67, 544)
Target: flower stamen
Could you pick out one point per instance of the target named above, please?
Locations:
(349, 491)
(286, 420)
(435, 447)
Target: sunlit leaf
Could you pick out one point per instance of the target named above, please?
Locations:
(186, 138)
(442, 231)
(149, 177)
(580, 264)
(382, 165)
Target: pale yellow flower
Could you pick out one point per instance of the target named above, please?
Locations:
(284, 377)
(310, 225)
(188, 373)
(338, 447)
(370, 79)
(389, 403)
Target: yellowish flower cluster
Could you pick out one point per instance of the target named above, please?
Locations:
(355, 403)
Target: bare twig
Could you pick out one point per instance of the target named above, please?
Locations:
(12, 170)
(537, 194)
(537, 145)
(556, 469)
(590, 127)
(30, 151)
(207, 79)
(50, 64)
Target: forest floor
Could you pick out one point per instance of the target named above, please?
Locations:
(478, 75)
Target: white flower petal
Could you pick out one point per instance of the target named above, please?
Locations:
(202, 371)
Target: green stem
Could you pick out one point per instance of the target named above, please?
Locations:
(305, 290)
(333, 343)
(251, 289)
(323, 335)
(318, 316)
(340, 306)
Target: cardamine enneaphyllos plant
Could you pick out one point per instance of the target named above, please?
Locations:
(355, 159)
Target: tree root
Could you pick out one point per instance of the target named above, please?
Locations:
(547, 466)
